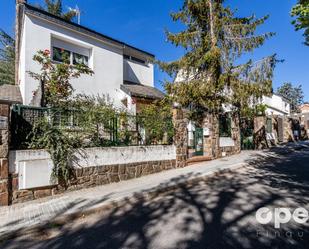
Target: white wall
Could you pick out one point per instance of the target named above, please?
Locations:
(138, 73)
(276, 105)
(106, 61)
(98, 156)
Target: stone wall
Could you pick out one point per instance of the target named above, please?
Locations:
(4, 151)
(288, 133)
(212, 146)
(91, 167)
(92, 176)
(181, 137)
(260, 125)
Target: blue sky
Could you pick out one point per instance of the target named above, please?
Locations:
(141, 23)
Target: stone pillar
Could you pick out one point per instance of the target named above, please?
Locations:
(207, 124)
(4, 154)
(215, 135)
(260, 141)
(236, 133)
(259, 123)
(287, 130)
(180, 137)
(211, 141)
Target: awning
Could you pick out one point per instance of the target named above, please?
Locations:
(10, 94)
(142, 91)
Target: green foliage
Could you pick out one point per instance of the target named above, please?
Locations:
(260, 110)
(89, 121)
(301, 13)
(98, 119)
(58, 143)
(294, 94)
(156, 119)
(55, 78)
(208, 73)
(7, 58)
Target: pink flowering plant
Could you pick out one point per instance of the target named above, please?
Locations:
(55, 78)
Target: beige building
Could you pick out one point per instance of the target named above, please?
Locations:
(304, 108)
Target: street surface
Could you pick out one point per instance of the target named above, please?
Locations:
(214, 212)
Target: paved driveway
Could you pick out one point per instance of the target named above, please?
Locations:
(212, 212)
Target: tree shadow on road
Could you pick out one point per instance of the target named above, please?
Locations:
(215, 212)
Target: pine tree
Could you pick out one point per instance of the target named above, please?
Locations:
(214, 39)
(294, 94)
(55, 7)
(7, 58)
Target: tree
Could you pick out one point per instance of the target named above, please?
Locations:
(55, 86)
(213, 40)
(7, 58)
(55, 7)
(301, 12)
(294, 94)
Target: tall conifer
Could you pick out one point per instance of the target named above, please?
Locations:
(209, 75)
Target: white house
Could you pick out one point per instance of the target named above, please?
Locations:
(122, 72)
(277, 105)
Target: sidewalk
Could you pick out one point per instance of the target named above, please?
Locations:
(46, 209)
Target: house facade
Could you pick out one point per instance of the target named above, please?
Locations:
(276, 105)
(277, 120)
(122, 73)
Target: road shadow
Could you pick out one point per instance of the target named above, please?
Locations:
(215, 212)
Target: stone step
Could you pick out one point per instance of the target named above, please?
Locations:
(197, 159)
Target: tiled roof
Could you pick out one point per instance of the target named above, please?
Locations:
(10, 94)
(141, 91)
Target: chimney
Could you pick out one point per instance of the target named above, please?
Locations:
(18, 29)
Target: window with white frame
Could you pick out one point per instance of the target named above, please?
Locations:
(63, 51)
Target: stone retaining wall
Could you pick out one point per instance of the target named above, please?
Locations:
(92, 176)
(92, 167)
(4, 151)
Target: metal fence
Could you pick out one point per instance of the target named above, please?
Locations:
(112, 130)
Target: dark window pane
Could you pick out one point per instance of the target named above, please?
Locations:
(138, 60)
(61, 55)
(127, 57)
(79, 59)
(225, 129)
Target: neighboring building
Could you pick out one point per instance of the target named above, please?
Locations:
(214, 136)
(278, 111)
(304, 117)
(123, 73)
(277, 105)
(304, 108)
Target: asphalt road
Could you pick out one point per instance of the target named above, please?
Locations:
(217, 212)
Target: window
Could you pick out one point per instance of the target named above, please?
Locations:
(61, 55)
(79, 59)
(225, 129)
(128, 57)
